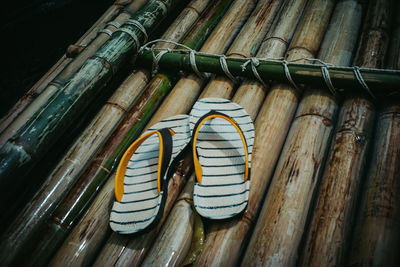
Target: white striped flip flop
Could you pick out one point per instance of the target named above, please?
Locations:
(142, 177)
(222, 143)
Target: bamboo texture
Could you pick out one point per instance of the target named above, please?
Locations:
(91, 140)
(226, 241)
(87, 187)
(174, 239)
(280, 226)
(376, 237)
(52, 81)
(327, 239)
(132, 250)
(34, 139)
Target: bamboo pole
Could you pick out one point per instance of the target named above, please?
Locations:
(376, 236)
(226, 240)
(327, 239)
(132, 250)
(90, 183)
(87, 145)
(383, 83)
(174, 239)
(35, 138)
(280, 226)
(53, 80)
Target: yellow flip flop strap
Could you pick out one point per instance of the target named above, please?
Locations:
(119, 177)
(197, 167)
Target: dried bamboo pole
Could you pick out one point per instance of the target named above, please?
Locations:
(121, 250)
(53, 80)
(271, 126)
(327, 239)
(87, 145)
(90, 183)
(282, 219)
(34, 139)
(376, 237)
(174, 239)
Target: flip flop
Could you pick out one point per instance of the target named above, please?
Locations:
(142, 176)
(222, 144)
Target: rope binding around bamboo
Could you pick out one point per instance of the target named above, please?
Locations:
(313, 74)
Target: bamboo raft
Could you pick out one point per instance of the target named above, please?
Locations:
(325, 182)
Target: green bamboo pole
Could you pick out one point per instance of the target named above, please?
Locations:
(376, 236)
(35, 138)
(52, 82)
(327, 240)
(383, 83)
(281, 223)
(121, 250)
(90, 183)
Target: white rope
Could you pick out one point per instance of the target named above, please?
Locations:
(225, 68)
(106, 31)
(139, 26)
(360, 79)
(156, 59)
(288, 76)
(327, 79)
(192, 61)
(113, 23)
(254, 63)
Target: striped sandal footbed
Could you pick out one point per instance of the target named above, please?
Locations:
(141, 205)
(223, 191)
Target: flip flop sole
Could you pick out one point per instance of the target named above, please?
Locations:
(141, 205)
(222, 193)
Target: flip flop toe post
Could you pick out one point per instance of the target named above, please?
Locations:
(141, 180)
(222, 143)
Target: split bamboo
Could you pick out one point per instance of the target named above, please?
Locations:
(327, 239)
(87, 145)
(90, 183)
(62, 71)
(226, 240)
(35, 138)
(280, 226)
(376, 236)
(132, 250)
(174, 239)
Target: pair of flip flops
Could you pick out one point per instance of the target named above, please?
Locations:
(220, 135)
